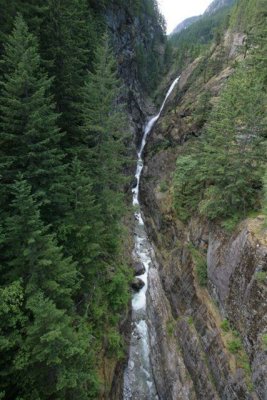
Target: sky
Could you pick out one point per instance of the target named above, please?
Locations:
(175, 11)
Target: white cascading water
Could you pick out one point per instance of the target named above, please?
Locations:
(138, 377)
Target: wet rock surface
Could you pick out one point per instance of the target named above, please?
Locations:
(139, 268)
(137, 284)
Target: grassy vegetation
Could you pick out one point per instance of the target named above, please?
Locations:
(264, 341)
(171, 327)
(225, 326)
(235, 347)
(200, 265)
(261, 276)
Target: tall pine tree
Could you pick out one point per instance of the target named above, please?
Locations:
(68, 37)
(104, 133)
(42, 339)
(28, 251)
(29, 136)
(82, 230)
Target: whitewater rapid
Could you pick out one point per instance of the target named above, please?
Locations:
(138, 376)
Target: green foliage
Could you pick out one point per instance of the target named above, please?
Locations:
(234, 345)
(150, 61)
(229, 224)
(32, 254)
(12, 322)
(203, 108)
(68, 41)
(202, 274)
(29, 136)
(55, 353)
(225, 325)
(194, 40)
(114, 344)
(261, 276)
(187, 185)
(201, 266)
(170, 327)
(150, 67)
(264, 341)
(64, 284)
(190, 320)
(221, 176)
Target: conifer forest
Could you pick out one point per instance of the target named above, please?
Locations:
(80, 81)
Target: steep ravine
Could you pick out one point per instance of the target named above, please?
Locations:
(139, 382)
(190, 353)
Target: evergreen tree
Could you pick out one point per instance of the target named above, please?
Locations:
(68, 37)
(103, 157)
(104, 130)
(31, 253)
(29, 137)
(82, 230)
(12, 326)
(46, 345)
(223, 175)
(56, 358)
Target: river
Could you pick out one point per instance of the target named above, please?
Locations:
(138, 376)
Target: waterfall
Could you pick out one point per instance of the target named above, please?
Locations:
(138, 376)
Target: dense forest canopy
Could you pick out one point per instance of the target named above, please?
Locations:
(63, 134)
(64, 278)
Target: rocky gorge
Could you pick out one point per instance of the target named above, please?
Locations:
(206, 297)
(194, 328)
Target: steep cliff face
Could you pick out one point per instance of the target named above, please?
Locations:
(131, 29)
(206, 342)
(237, 280)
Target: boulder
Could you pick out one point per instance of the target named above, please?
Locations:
(137, 284)
(139, 268)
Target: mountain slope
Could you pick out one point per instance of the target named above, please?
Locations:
(213, 8)
(185, 24)
(216, 5)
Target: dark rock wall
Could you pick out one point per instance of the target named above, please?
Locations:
(130, 30)
(190, 350)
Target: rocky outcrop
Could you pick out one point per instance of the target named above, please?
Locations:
(137, 284)
(237, 270)
(130, 30)
(193, 316)
(171, 375)
(138, 268)
(206, 342)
